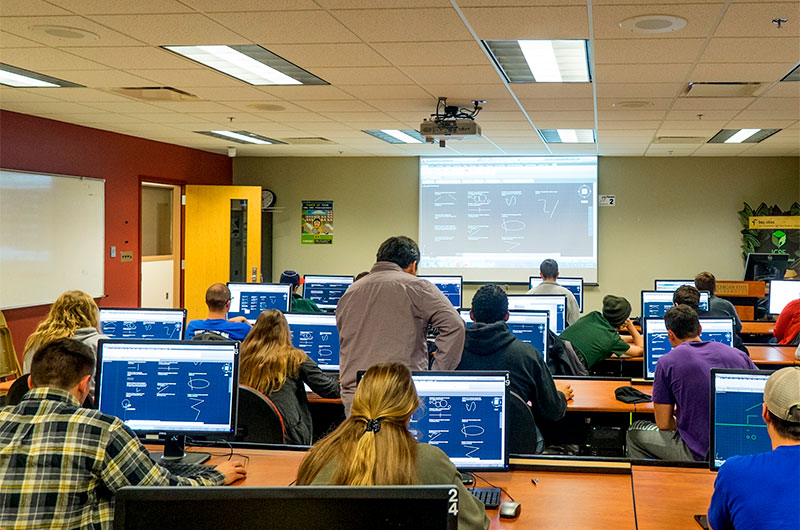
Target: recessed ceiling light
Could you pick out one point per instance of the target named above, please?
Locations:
(242, 137)
(266, 107)
(632, 104)
(794, 75)
(249, 63)
(396, 136)
(738, 136)
(649, 24)
(542, 61)
(568, 136)
(21, 78)
(65, 32)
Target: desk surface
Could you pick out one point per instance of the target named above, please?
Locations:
(759, 353)
(670, 497)
(598, 396)
(752, 327)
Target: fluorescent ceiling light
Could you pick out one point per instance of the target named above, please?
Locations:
(395, 136)
(793, 75)
(242, 137)
(738, 136)
(249, 63)
(400, 135)
(21, 78)
(542, 61)
(568, 136)
(741, 136)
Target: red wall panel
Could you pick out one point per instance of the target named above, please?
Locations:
(31, 143)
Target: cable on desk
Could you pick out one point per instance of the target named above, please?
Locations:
(493, 486)
(230, 454)
(633, 497)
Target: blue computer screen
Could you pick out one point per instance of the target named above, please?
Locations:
(316, 334)
(656, 303)
(325, 291)
(165, 324)
(656, 342)
(250, 299)
(574, 285)
(737, 426)
(527, 326)
(463, 414)
(672, 285)
(556, 304)
(449, 285)
(175, 387)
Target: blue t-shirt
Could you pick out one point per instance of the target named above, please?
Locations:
(229, 330)
(758, 491)
(683, 378)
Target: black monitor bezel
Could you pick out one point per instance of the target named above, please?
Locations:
(515, 296)
(325, 306)
(580, 302)
(784, 258)
(460, 288)
(288, 300)
(167, 309)
(769, 297)
(641, 300)
(235, 393)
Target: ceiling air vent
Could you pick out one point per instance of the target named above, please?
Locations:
(679, 140)
(723, 90)
(307, 140)
(155, 93)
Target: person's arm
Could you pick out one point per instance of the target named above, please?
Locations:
(636, 345)
(550, 402)
(240, 318)
(665, 416)
(321, 383)
(471, 511)
(719, 516)
(784, 319)
(450, 341)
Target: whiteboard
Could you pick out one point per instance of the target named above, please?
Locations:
(52, 236)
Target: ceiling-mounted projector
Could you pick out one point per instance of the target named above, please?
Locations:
(450, 122)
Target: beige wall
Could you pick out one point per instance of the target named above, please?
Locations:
(673, 218)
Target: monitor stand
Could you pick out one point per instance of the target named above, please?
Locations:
(174, 453)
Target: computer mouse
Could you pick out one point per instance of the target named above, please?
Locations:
(510, 510)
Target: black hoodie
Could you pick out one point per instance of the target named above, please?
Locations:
(494, 347)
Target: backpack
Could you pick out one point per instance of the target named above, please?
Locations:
(563, 357)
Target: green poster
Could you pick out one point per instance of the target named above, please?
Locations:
(317, 223)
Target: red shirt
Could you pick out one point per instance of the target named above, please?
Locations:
(788, 324)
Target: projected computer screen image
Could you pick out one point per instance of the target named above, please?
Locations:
(325, 291)
(248, 300)
(185, 387)
(781, 292)
(672, 285)
(494, 218)
(316, 334)
(737, 427)
(575, 286)
(451, 287)
(555, 304)
(164, 324)
(656, 342)
(464, 415)
(656, 303)
(528, 326)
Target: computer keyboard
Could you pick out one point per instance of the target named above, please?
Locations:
(489, 496)
(188, 470)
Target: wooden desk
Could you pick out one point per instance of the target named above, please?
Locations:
(773, 354)
(668, 498)
(751, 327)
(598, 396)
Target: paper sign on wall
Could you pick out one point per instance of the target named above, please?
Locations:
(316, 223)
(608, 200)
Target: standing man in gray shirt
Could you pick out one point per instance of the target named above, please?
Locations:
(384, 317)
(548, 270)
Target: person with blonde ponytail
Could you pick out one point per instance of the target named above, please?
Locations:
(74, 315)
(270, 364)
(373, 446)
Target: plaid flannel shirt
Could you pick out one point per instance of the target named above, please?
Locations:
(61, 464)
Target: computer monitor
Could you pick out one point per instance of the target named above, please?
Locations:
(451, 287)
(575, 286)
(656, 343)
(781, 292)
(736, 424)
(527, 326)
(463, 413)
(672, 285)
(248, 300)
(325, 291)
(166, 324)
(760, 267)
(556, 304)
(656, 303)
(316, 334)
(171, 388)
(287, 508)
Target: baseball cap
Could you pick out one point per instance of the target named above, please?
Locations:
(782, 394)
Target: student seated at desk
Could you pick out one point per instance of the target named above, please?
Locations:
(218, 300)
(787, 328)
(688, 295)
(490, 345)
(596, 335)
(761, 490)
(548, 270)
(373, 446)
(299, 304)
(705, 281)
(61, 464)
(270, 364)
(682, 379)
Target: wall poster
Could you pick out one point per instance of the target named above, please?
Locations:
(316, 223)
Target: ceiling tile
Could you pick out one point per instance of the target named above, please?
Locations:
(704, 104)
(20, 95)
(307, 92)
(632, 73)
(756, 50)
(375, 75)
(534, 104)
(399, 92)
(488, 116)
(13, 8)
(9, 40)
(638, 115)
(468, 92)
(552, 90)
(287, 27)
(127, 107)
(191, 107)
(91, 118)
(187, 79)
(104, 7)
(628, 125)
(566, 115)
(99, 78)
(337, 106)
(638, 90)
(169, 29)
(456, 53)
(791, 105)
(329, 55)
(57, 107)
(237, 93)
(552, 22)
(714, 115)
(760, 121)
(133, 57)
(404, 25)
(700, 17)
(648, 104)
(27, 27)
(38, 59)
(725, 72)
(211, 6)
(253, 106)
(433, 75)
(82, 95)
(172, 118)
(755, 20)
(644, 51)
(695, 125)
(786, 89)
(748, 114)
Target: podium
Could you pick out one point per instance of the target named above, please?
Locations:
(743, 295)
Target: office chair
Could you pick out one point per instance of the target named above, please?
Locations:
(522, 432)
(259, 420)
(210, 335)
(17, 390)
(9, 363)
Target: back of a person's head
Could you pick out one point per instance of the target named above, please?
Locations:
(400, 250)
(71, 311)
(217, 296)
(616, 309)
(782, 398)
(291, 277)
(490, 304)
(360, 275)
(548, 268)
(682, 321)
(267, 356)
(61, 363)
(705, 281)
(687, 295)
(373, 445)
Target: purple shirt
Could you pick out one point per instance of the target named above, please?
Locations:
(683, 378)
